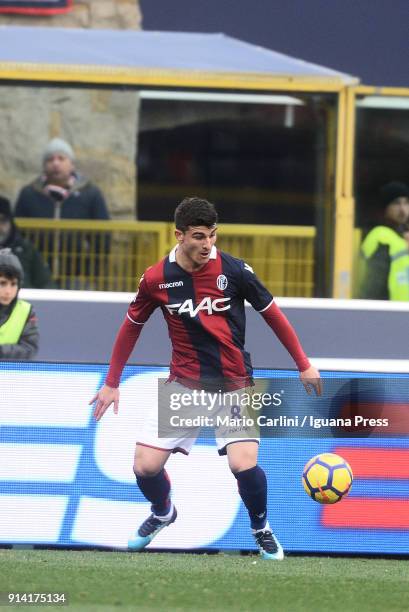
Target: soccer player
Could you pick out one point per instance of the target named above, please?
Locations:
(201, 292)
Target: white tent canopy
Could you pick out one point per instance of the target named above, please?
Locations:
(151, 51)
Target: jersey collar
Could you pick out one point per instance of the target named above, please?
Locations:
(172, 254)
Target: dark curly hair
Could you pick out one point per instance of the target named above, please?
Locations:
(195, 211)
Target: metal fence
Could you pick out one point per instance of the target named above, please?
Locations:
(282, 256)
(112, 255)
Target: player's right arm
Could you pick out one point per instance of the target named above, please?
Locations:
(138, 313)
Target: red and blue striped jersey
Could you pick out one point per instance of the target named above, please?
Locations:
(205, 314)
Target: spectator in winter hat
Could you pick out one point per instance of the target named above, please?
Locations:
(61, 192)
(385, 252)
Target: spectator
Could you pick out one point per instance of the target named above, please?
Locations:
(18, 323)
(62, 193)
(36, 272)
(385, 273)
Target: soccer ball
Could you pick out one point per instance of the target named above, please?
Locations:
(327, 478)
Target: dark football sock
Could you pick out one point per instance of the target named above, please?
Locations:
(156, 489)
(252, 485)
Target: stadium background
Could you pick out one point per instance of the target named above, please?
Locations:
(39, 488)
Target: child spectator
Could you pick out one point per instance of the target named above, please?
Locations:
(18, 323)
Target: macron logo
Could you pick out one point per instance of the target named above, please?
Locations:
(168, 285)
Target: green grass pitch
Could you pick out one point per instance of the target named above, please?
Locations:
(171, 582)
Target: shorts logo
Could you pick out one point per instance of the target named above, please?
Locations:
(249, 268)
(168, 285)
(221, 282)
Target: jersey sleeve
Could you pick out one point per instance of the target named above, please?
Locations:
(143, 304)
(138, 313)
(286, 334)
(253, 289)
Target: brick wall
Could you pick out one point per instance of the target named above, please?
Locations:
(101, 125)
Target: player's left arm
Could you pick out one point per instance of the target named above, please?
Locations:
(310, 376)
(262, 301)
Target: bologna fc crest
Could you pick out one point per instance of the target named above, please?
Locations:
(221, 282)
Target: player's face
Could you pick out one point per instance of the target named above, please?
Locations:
(398, 210)
(195, 245)
(8, 290)
(58, 169)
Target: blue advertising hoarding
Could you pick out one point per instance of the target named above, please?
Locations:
(66, 480)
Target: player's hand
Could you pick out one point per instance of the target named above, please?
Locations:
(311, 380)
(103, 399)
